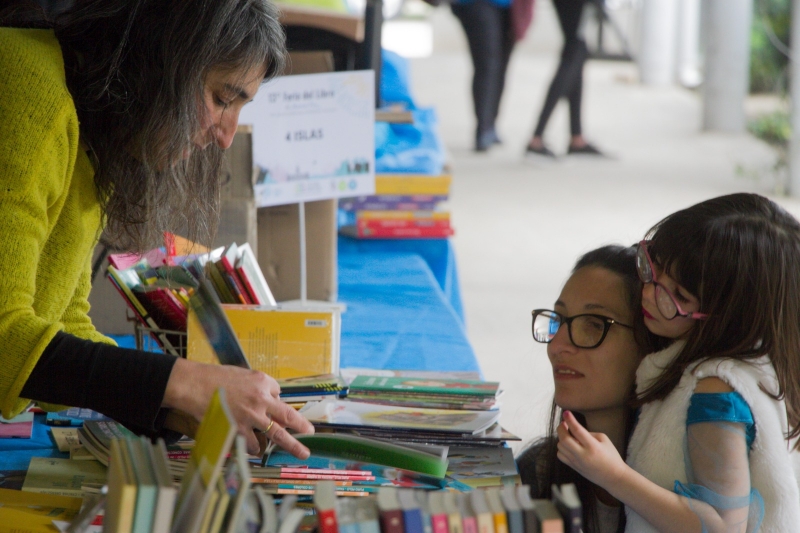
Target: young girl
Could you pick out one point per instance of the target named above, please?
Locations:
(712, 448)
(595, 341)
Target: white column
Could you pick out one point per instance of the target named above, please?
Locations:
(658, 41)
(794, 87)
(727, 64)
(689, 63)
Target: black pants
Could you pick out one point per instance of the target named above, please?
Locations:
(490, 37)
(568, 80)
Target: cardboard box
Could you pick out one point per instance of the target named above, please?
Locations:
(283, 343)
(237, 202)
(279, 250)
(278, 227)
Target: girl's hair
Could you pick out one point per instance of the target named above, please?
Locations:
(538, 464)
(136, 70)
(740, 255)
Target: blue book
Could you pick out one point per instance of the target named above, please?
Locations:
(412, 514)
(74, 416)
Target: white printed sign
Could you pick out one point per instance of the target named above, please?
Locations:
(313, 137)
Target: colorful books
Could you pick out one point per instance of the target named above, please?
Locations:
(157, 287)
(396, 232)
(430, 393)
(404, 206)
(213, 442)
(420, 202)
(425, 386)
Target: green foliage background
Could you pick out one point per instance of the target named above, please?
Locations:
(768, 65)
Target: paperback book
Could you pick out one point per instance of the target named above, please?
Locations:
(345, 414)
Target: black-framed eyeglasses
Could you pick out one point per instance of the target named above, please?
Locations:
(585, 331)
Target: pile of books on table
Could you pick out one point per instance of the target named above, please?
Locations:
(403, 206)
(456, 419)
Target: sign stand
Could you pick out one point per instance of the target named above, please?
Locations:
(301, 209)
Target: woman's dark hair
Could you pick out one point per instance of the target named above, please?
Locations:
(538, 464)
(136, 70)
(740, 255)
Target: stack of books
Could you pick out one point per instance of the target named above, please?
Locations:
(403, 206)
(456, 419)
(298, 391)
(157, 286)
(141, 494)
(429, 393)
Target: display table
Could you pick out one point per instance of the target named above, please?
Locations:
(398, 316)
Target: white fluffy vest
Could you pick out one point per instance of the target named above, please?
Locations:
(657, 446)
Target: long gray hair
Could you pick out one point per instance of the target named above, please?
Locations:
(136, 71)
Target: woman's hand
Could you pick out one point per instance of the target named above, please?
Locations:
(592, 455)
(252, 396)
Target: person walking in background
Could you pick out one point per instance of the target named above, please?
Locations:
(567, 82)
(487, 24)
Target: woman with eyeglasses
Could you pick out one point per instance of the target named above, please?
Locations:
(595, 339)
(716, 437)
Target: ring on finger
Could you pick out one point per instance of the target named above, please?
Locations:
(265, 431)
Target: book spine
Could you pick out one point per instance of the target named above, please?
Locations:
(297, 470)
(379, 205)
(400, 223)
(439, 523)
(469, 524)
(327, 521)
(317, 477)
(500, 523)
(454, 523)
(402, 215)
(392, 521)
(390, 233)
(310, 482)
(412, 184)
(248, 286)
(412, 521)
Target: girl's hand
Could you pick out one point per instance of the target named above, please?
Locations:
(592, 455)
(252, 396)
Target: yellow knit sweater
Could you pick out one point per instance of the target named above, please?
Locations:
(50, 218)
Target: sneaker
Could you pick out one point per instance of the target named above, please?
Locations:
(542, 151)
(586, 149)
(485, 140)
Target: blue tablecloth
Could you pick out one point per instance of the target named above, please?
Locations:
(15, 454)
(397, 315)
(437, 253)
